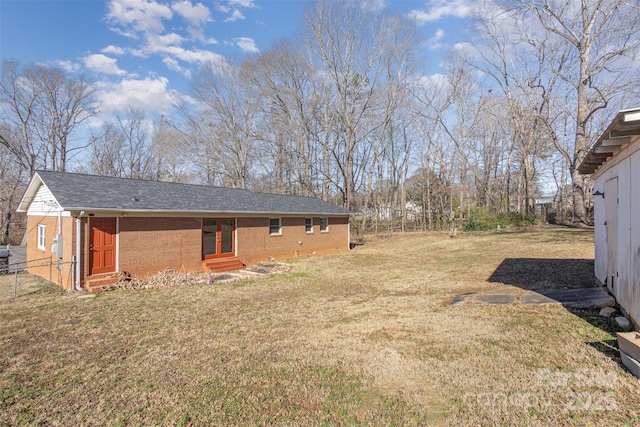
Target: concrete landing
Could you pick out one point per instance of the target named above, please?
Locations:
(572, 298)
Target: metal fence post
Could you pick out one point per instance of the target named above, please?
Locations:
(50, 270)
(15, 284)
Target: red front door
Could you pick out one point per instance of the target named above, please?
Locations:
(102, 245)
(218, 237)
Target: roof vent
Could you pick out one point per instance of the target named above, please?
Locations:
(135, 199)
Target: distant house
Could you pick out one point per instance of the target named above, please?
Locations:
(96, 227)
(614, 162)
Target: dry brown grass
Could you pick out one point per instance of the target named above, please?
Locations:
(355, 338)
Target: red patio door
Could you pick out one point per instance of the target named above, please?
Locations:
(218, 237)
(102, 245)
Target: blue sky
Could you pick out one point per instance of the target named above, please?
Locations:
(141, 52)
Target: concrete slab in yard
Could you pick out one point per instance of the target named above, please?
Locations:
(494, 299)
(573, 298)
(534, 298)
(580, 298)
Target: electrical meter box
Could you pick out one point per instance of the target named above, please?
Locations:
(57, 246)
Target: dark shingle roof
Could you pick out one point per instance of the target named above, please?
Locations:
(91, 192)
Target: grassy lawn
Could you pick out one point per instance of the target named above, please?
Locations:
(354, 338)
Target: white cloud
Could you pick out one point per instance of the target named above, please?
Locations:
(463, 47)
(102, 64)
(159, 43)
(167, 29)
(431, 85)
(113, 50)
(247, 44)
(195, 56)
(148, 94)
(174, 65)
(235, 8)
(235, 16)
(222, 8)
(248, 4)
(439, 9)
(68, 66)
(434, 42)
(373, 5)
(196, 15)
(196, 33)
(136, 16)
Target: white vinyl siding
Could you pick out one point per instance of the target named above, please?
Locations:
(43, 204)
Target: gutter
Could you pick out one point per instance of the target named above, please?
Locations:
(120, 211)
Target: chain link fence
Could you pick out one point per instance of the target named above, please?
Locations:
(15, 281)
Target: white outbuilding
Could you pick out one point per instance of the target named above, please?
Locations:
(614, 163)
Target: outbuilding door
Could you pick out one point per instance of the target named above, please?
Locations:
(218, 237)
(102, 245)
(611, 212)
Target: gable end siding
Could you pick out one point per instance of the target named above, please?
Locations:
(44, 203)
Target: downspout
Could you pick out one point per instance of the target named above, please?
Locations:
(78, 240)
(59, 246)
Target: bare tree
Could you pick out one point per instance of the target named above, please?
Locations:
(106, 151)
(589, 48)
(172, 154)
(287, 129)
(124, 147)
(349, 44)
(224, 124)
(19, 101)
(12, 176)
(42, 107)
(64, 104)
(138, 156)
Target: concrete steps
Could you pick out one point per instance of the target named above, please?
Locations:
(98, 283)
(222, 264)
(629, 344)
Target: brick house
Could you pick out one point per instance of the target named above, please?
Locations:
(95, 227)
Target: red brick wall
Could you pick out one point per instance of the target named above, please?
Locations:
(38, 260)
(147, 246)
(255, 244)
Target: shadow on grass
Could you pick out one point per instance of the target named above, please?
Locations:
(544, 273)
(554, 277)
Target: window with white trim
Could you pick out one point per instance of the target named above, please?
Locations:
(324, 225)
(42, 236)
(308, 225)
(275, 226)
